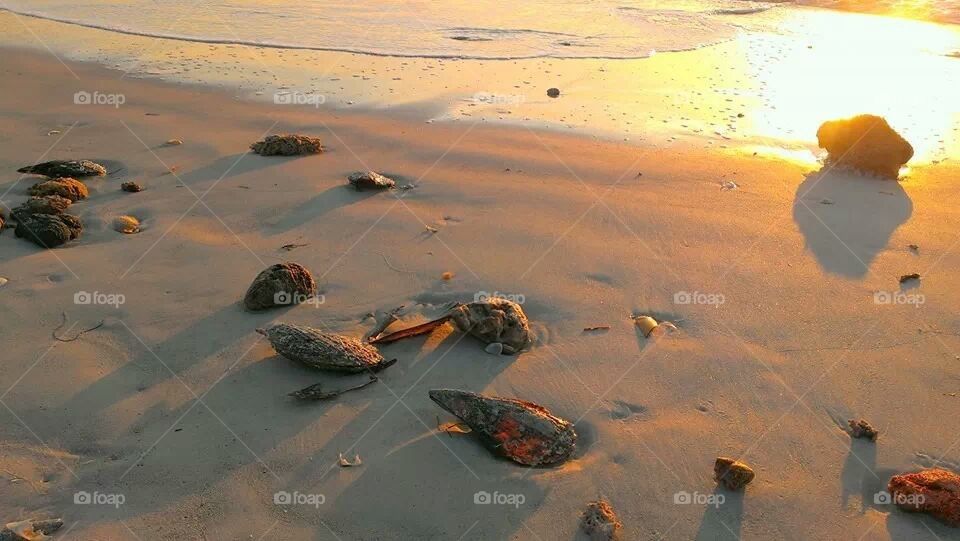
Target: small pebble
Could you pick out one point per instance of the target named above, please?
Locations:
(494, 348)
(553, 92)
(126, 224)
(132, 187)
(174, 142)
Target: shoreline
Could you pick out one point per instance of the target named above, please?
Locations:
(176, 404)
(741, 92)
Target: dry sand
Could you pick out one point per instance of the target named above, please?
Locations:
(176, 404)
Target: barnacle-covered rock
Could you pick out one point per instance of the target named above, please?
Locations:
(287, 145)
(732, 474)
(126, 224)
(70, 188)
(49, 230)
(495, 320)
(66, 168)
(860, 428)
(323, 351)
(131, 187)
(522, 431)
(30, 529)
(933, 491)
(866, 143)
(49, 204)
(370, 180)
(600, 522)
(281, 284)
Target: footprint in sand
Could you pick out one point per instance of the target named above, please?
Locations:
(623, 411)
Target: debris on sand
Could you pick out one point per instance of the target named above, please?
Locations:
(521, 431)
(66, 168)
(2, 222)
(49, 204)
(287, 145)
(71, 188)
(379, 338)
(323, 351)
(865, 143)
(494, 348)
(732, 474)
(127, 225)
(30, 530)
(315, 392)
(907, 277)
(495, 320)
(345, 463)
(933, 491)
(49, 230)
(173, 142)
(131, 187)
(282, 284)
(370, 180)
(447, 276)
(600, 522)
(453, 428)
(553, 92)
(862, 429)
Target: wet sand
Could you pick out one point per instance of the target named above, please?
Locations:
(176, 404)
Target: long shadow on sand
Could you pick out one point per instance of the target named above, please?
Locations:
(859, 477)
(848, 219)
(723, 521)
(396, 446)
(233, 165)
(322, 203)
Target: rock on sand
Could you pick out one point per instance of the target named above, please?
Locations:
(866, 143)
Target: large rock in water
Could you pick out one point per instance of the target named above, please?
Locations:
(287, 145)
(933, 491)
(283, 284)
(866, 143)
(522, 431)
(49, 230)
(66, 168)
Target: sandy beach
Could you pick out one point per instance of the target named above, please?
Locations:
(780, 274)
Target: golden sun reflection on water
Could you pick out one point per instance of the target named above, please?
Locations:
(892, 67)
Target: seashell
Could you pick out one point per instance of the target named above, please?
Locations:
(132, 187)
(646, 324)
(281, 284)
(370, 180)
(522, 431)
(732, 474)
(495, 320)
(66, 168)
(287, 145)
(600, 522)
(126, 224)
(49, 204)
(323, 351)
(30, 530)
(49, 230)
(70, 188)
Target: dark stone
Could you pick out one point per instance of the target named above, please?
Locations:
(49, 230)
(66, 168)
